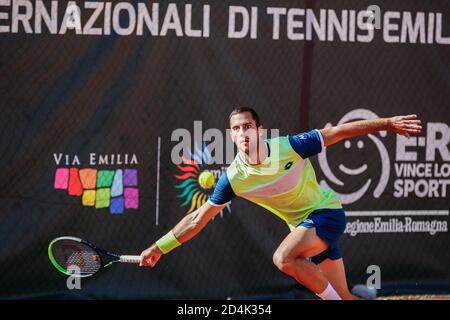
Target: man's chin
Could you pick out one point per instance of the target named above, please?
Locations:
(244, 149)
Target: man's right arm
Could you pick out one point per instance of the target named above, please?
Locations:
(186, 229)
(194, 222)
(191, 224)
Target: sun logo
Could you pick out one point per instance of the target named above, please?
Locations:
(197, 181)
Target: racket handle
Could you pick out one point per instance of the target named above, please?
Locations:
(130, 259)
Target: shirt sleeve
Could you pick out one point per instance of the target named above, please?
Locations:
(223, 193)
(307, 144)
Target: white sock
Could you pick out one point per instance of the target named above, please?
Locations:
(329, 293)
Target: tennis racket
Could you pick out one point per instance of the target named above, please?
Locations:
(78, 258)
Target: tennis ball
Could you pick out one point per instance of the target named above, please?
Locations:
(206, 179)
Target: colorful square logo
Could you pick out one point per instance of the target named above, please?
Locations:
(113, 189)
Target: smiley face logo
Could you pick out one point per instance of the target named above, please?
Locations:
(346, 198)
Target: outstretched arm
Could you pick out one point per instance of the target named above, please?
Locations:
(185, 230)
(403, 125)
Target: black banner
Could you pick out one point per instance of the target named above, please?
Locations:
(99, 100)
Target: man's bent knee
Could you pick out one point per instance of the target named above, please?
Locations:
(285, 260)
(282, 260)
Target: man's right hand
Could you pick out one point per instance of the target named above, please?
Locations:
(150, 256)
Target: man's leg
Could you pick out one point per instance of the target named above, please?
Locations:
(334, 271)
(290, 258)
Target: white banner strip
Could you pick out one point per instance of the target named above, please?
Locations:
(397, 213)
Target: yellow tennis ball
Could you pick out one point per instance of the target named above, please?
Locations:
(206, 179)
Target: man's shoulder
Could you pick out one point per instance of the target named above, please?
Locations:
(281, 144)
(276, 139)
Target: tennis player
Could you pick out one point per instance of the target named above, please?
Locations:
(277, 175)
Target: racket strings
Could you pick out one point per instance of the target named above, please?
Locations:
(76, 257)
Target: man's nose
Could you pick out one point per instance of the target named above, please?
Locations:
(243, 133)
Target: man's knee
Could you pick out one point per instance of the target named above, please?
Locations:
(284, 260)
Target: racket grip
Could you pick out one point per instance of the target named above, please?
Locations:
(130, 259)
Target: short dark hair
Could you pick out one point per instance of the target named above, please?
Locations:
(246, 109)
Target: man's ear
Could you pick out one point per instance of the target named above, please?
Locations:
(232, 136)
(260, 130)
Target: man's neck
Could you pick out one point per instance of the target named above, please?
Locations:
(258, 155)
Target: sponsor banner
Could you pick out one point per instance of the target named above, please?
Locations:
(415, 169)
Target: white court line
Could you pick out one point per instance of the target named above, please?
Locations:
(157, 181)
(397, 213)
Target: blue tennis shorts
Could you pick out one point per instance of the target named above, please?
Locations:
(330, 225)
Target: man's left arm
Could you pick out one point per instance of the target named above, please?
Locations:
(403, 125)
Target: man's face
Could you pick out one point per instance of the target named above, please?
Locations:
(244, 132)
